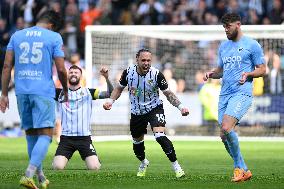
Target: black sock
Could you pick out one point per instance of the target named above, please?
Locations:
(167, 147)
(139, 150)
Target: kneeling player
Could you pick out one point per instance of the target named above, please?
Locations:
(75, 119)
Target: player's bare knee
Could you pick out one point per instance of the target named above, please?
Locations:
(138, 139)
(226, 128)
(94, 167)
(223, 136)
(57, 166)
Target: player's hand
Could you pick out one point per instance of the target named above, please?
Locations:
(184, 111)
(4, 103)
(63, 97)
(243, 78)
(207, 75)
(107, 105)
(104, 72)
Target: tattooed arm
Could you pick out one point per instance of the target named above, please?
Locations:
(106, 94)
(173, 99)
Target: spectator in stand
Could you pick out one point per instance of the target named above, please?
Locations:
(220, 8)
(181, 85)
(276, 15)
(171, 81)
(150, 12)
(89, 16)
(275, 75)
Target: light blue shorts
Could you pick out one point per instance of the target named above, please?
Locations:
(36, 111)
(235, 105)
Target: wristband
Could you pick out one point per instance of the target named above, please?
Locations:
(181, 106)
(110, 100)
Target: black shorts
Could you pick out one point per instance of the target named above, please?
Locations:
(69, 144)
(138, 123)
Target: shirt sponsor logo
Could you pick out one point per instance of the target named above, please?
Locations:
(232, 62)
(30, 74)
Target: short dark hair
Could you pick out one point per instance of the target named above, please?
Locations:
(230, 18)
(142, 50)
(53, 18)
(75, 67)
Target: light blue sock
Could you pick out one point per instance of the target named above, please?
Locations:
(233, 142)
(40, 149)
(243, 164)
(31, 141)
(228, 148)
(226, 144)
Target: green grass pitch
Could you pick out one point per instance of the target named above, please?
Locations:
(206, 164)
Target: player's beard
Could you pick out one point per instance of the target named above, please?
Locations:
(233, 35)
(74, 82)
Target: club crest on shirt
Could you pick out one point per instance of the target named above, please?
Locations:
(240, 49)
(82, 93)
(150, 81)
(135, 92)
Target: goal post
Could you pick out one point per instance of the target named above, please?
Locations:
(167, 32)
(186, 49)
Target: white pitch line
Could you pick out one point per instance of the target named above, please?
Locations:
(186, 138)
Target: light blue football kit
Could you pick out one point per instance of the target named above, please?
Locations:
(236, 58)
(235, 99)
(34, 50)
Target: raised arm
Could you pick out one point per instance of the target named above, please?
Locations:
(6, 77)
(106, 94)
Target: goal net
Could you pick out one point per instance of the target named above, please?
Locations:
(187, 51)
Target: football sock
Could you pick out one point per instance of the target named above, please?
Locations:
(40, 174)
(243, 164)
(30, 171)
(40, 149)
(166, 145)
(176, 165)
(233, 142)
(139, 149)
(31, 141)
(226, 144)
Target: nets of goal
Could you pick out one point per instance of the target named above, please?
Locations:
(187, 51)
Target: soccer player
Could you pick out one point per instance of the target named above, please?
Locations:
(144, 82)
(240, 60)
(75, 120)
(32, 51)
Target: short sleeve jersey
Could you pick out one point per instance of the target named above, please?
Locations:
(143, 89)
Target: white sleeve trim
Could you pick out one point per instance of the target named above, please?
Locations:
(122, 86)
(167, 89)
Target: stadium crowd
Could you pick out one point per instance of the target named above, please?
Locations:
(18, 14)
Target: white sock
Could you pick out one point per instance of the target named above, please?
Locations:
(30, 172)
(176, 165)
(40, 175)
(145, 161)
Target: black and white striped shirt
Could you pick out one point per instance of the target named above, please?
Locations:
(143, 89)
(76, 113)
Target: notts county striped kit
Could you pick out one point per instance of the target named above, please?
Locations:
(143, 89)
(76, 113)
